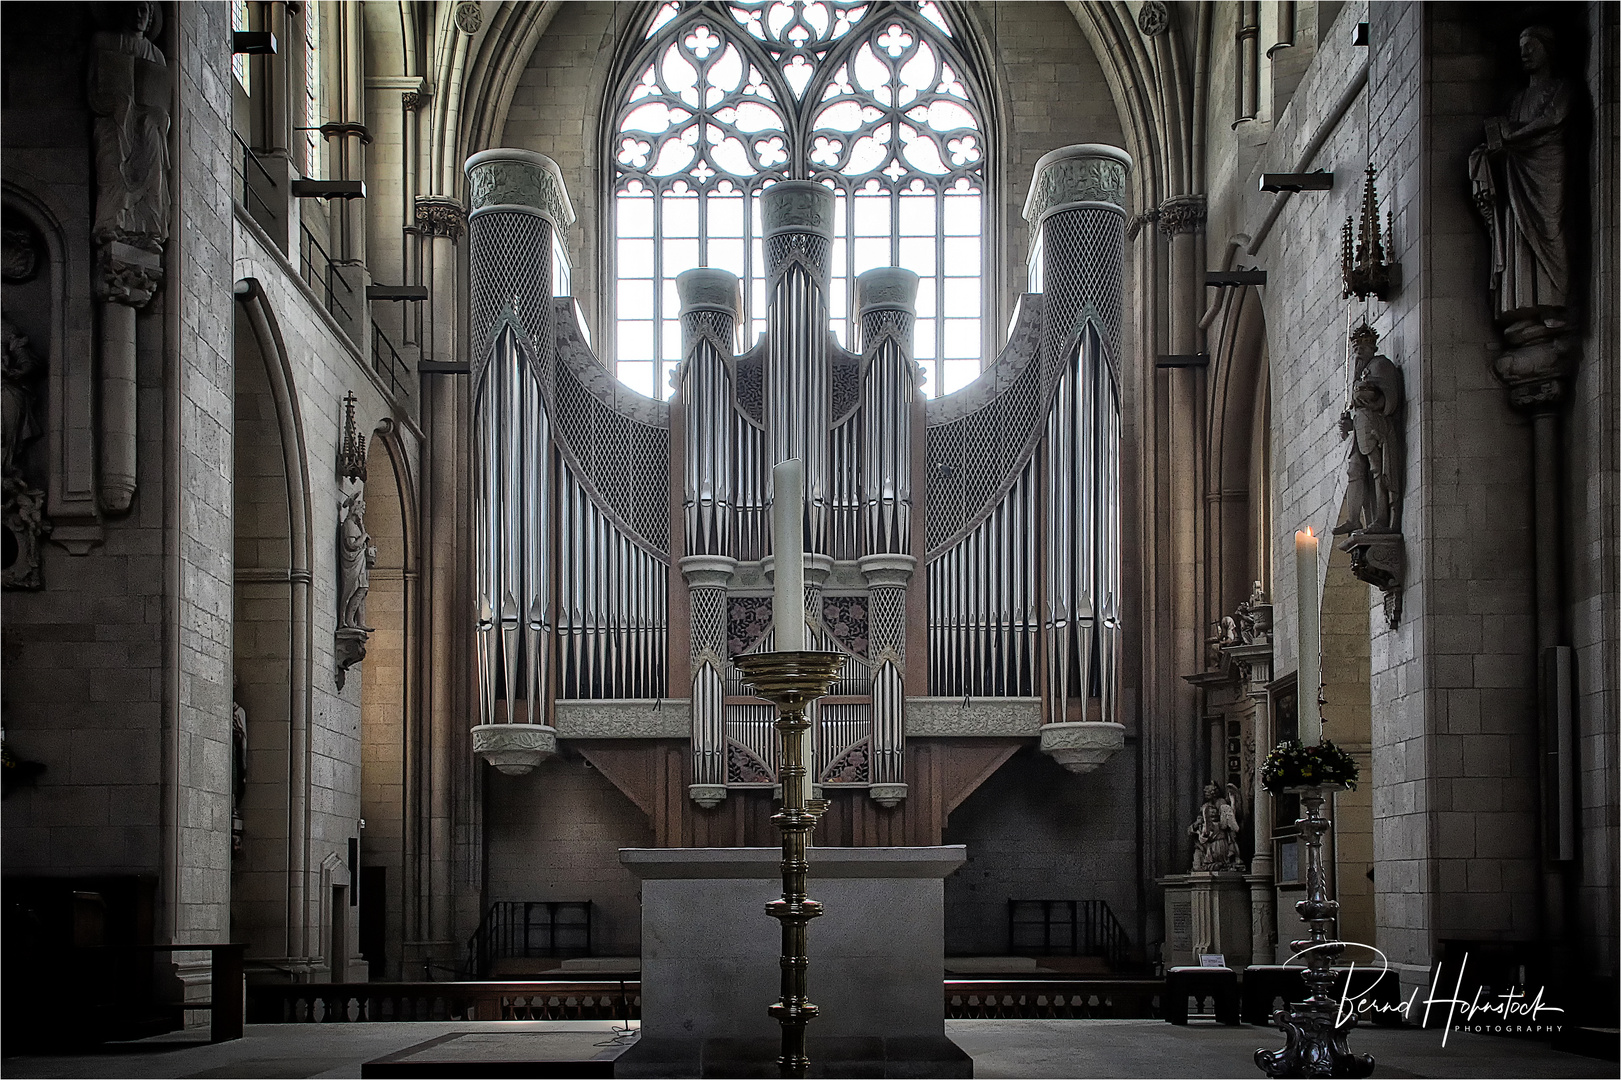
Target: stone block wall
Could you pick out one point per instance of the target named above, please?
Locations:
(555, 834)
(1037, 832)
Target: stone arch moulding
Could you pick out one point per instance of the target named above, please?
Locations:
(70, 502)
(250, 296)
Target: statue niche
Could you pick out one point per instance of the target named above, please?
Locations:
(1518, 178)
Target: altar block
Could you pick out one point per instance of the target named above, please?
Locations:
(710, 960)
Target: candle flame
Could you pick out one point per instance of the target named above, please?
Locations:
(1309, 532)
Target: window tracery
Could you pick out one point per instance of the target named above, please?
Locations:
(869, 98)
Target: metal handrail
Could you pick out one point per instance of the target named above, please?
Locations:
(248, 194)
(308, 248)
(387, 362)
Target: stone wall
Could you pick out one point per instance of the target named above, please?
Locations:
(555, 834)
(1037, 832)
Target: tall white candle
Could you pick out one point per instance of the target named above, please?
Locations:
(788, 554)
(1310, 640)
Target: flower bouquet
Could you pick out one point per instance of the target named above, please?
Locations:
(1291, 766)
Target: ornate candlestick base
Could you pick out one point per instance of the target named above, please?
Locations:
(791, 681)
(1314, 1035)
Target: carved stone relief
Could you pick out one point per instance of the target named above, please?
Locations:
(1215, 831)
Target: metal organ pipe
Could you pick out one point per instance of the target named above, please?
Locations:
(517, 206)
(888, 300)
(710, 302)
(1077, 205)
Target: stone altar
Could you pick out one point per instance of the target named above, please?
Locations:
(877, 961)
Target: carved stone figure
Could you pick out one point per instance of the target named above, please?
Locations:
(20, 421)
(1518, 178)
(1374, 493)
(1215, 833)
(129, 93)
(356, 557)
(22, 505)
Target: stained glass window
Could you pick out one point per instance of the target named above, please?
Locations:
(871, 99)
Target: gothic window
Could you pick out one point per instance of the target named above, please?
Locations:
(724, 98)
(313, 105)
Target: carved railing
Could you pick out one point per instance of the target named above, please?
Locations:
(374, 1002)
(1054, 999)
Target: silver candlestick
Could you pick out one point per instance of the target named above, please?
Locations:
(1313, 1032)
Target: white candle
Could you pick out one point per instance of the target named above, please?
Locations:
(1309, 638)
(788, 554)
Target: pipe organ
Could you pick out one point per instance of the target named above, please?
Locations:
(995, 510)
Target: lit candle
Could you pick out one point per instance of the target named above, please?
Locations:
(788, 554)
(1310, 677)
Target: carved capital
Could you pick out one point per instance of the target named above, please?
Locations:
(439, 215)
(1182, 214)
(411, 100)
(887, 795)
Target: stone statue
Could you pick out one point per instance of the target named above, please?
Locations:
(1374, 464)
(1215, 833)
(356, 557)
(129, 93)
(22, 505)
(1518, 181)
(20, 425)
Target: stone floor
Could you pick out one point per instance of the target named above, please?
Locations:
(1001, 1048)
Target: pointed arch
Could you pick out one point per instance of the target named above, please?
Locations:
(713, 101)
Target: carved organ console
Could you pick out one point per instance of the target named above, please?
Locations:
(959, 548)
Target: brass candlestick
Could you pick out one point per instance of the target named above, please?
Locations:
(791, 681)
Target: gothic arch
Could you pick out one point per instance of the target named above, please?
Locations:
(266, 339)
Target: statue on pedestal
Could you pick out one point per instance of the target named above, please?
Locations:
(1215, 833)
(1374, 491)
(1518, 181)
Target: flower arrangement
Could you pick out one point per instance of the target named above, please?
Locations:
(1292, 765)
